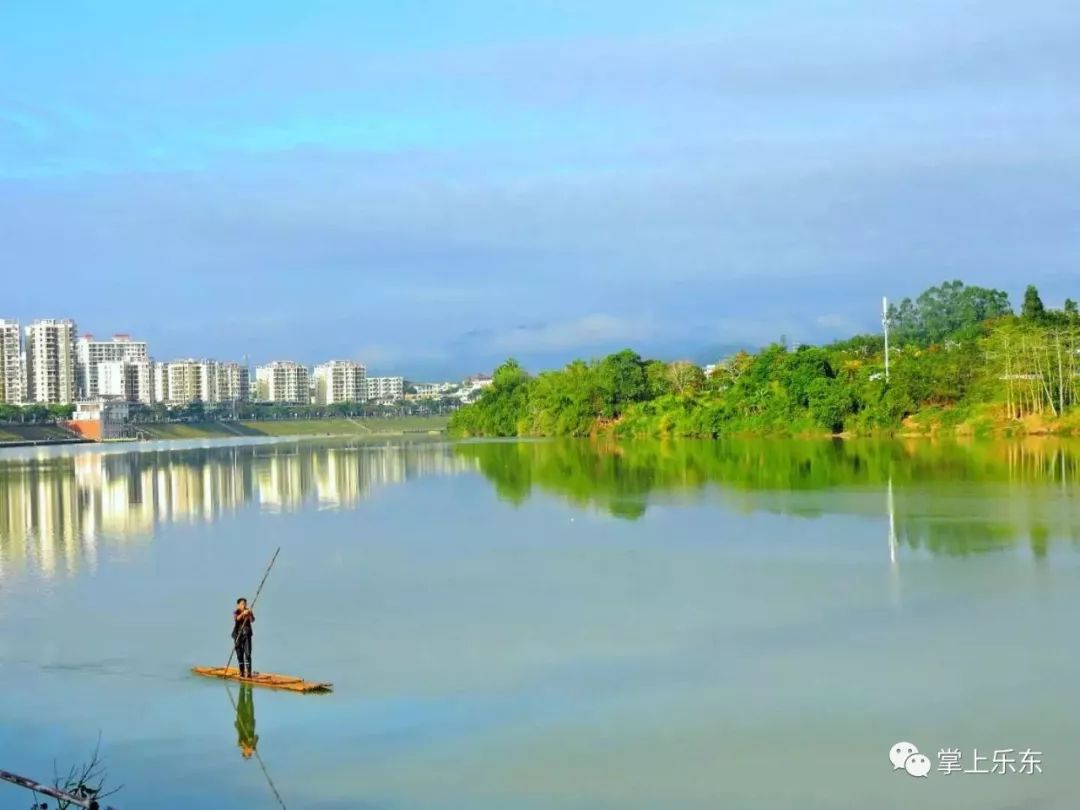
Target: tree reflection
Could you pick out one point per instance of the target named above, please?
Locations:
(950, 498)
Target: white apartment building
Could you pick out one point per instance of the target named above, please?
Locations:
(433, 390)
(471, 386)
(283, 381)
(130, 380)
(50, 361)
(234, 382)
(182, 381)
(159, 374)
(340, 381)
(385, 388)
(11, 371)
(91, 353)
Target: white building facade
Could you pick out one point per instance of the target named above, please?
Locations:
(130, 380)
(91, 353)
(50, 361)
(179, 382)
(11, 368)
(159, 380)
(234, 382)
(283, 381)
(433, 390)
(340, 381)
(385, 388)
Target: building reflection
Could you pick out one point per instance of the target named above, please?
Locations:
(54, 511)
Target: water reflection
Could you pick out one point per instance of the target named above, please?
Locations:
(948, 498)
(944, 498)
(55, 510)
(246, 738)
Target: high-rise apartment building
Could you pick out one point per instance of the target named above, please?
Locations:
(50, 361)
(11, 371)
(234, 383)
(132, 380)
(182, 381)
(385, 388)
(91, 353)
(159, 381)
(181, 384)
(283, 381)
(340, 381)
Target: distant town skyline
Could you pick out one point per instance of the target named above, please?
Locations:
(431, 188)
(50, 361)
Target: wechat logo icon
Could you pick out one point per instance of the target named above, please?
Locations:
(905, 756)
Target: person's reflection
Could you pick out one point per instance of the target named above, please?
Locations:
(246, 738)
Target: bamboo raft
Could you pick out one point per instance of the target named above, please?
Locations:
(267, 679)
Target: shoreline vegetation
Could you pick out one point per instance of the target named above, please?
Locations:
(961, 363)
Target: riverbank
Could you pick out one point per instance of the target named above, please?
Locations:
(291, 427)
(988, 422)
(28, 435)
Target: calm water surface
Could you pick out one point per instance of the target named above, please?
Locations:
(523, 626)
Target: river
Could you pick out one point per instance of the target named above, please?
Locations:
(547, 625)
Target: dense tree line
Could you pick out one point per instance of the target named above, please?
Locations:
(959, 356)
(34, 414)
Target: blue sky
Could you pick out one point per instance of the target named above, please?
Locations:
(432, 186)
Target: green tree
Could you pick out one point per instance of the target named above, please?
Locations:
(1032, 309)
(685, 378)
(36, 412)
(945, 311)
(501, 406)
(61, 412)
(801, 369)
(830, 403)
(656, 378)
(621, 377)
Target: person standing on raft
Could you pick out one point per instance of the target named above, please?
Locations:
(241, 634)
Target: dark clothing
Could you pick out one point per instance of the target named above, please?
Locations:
(246, 738)
(243, 653)
(242, 626)
(241, 635)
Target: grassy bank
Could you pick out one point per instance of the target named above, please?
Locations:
(33, 433)
(292, 427)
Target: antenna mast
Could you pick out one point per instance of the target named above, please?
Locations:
(885, 327)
